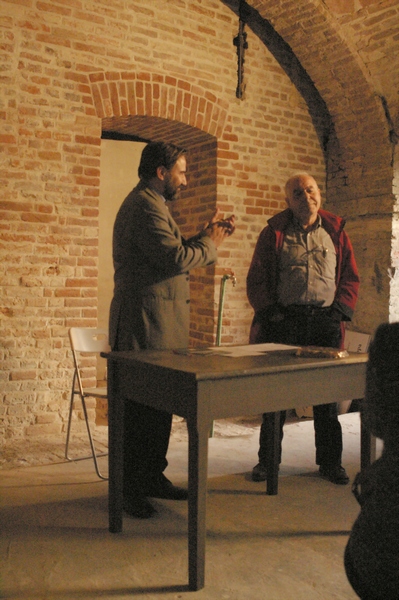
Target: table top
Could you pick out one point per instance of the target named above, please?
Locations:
(202, 385)
(202, 363)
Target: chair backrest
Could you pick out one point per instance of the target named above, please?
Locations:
(89, 339)
(86, 339)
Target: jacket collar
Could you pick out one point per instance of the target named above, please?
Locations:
(331, 223)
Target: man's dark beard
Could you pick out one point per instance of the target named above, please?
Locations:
(170, 192)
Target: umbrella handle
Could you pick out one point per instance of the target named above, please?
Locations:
(221, 304)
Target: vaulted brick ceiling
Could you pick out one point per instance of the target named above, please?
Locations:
(366, 29)
(348, 48)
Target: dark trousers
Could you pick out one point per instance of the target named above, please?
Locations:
(146, 441)
(307, 327)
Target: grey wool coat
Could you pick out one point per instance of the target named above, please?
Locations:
(150, 307)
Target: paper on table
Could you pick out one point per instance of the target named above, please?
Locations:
(237, 351)
(253, 349)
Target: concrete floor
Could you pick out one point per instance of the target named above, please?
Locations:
(55, 543)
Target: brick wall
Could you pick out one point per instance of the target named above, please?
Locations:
(73, 69)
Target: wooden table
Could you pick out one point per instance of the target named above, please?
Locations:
(205, 387)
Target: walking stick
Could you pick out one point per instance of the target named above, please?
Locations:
(225, 277)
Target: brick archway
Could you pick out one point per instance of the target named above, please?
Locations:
(149, 94)
(152, 107)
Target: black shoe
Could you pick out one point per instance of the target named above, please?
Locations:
(259, 472)
(138, 506)
(163, 488)
(336, 474)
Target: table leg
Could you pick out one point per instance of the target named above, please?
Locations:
(367, 446)
(272, 460)
(115, 451)
(197, 486)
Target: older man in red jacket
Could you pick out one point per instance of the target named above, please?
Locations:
(303, 284)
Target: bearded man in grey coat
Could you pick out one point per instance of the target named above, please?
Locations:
(150, 308)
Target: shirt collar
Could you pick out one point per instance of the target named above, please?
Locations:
(315, 225)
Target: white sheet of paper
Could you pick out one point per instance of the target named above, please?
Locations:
(247, 350)
(252, 349)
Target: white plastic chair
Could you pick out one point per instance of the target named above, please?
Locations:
(85, 340)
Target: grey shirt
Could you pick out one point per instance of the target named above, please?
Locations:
(307, 266)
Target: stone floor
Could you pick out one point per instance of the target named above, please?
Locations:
(55, 543)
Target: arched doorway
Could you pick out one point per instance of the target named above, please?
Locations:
(123, 140)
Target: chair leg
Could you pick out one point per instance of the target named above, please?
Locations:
(86, 416)
(70, 418)
(93, 451)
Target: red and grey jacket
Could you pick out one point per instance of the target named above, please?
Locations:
(262, 276)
